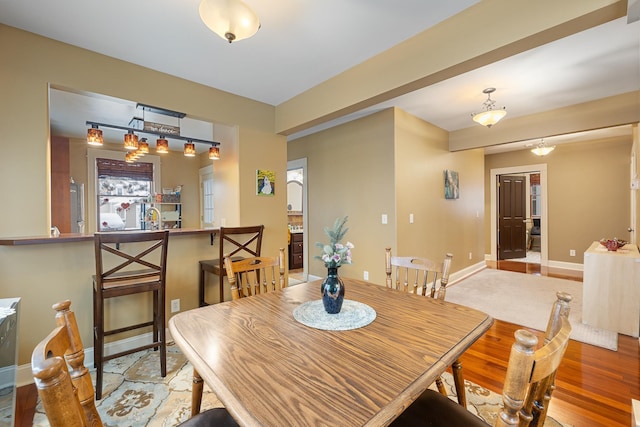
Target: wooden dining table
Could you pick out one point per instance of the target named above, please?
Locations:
(268, 369)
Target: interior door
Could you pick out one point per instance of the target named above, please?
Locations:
(511, 217)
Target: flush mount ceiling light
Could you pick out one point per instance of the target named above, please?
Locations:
(232, 20)
(489, 116)
(542, 149)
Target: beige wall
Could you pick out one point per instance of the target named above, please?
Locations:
(440, 225)
(588, 193)
(391, 163)
(350, 172)
(44, 274)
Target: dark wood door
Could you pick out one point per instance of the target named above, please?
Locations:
(511, 217)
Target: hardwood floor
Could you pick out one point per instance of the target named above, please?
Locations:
(594, 386)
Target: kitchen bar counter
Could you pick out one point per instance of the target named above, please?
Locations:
(77, 237)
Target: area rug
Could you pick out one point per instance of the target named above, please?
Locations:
(135, 395)
(526, 299)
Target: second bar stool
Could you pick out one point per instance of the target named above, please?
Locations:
(129, 263)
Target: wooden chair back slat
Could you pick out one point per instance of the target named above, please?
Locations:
(256, 275)
(417, 275)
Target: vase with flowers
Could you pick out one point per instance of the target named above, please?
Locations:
(334, 255)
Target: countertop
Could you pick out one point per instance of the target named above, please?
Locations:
(77, 237)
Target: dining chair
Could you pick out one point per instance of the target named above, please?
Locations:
(422, 276)
(64, 384)
(128, 263)
(247, 277)
(239, 243)
(528, 385)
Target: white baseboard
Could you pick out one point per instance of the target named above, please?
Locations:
(466, 272)
(566, 265)
(549, 263)
(635, 413)
(25, 376)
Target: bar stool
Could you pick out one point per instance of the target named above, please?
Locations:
(241, 242)
(141, 267)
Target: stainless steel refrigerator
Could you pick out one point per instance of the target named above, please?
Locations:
(77, 207)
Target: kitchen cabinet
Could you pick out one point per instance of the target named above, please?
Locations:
(170, 215)
(9, 315)
(611, 289)
(296, 251)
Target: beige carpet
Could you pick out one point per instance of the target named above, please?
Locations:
(135, 395)
(526, 299)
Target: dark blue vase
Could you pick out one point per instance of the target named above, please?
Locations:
(332, 290)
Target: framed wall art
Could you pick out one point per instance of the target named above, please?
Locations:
(265, 182)
(451, 184)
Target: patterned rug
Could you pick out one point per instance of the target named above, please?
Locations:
(135, 395)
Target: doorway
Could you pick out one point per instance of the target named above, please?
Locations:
(541, 204)
(297, 213)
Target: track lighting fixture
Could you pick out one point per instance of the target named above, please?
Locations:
(94, 136)
(189, 149)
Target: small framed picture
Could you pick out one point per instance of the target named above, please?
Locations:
(451, 185)
(265, 182)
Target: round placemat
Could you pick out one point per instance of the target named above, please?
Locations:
(353, 315)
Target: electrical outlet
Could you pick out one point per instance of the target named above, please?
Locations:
(572, 252)
(366, 275)
(175, 305)
(384, 218)
(470, 255)
(410, 218)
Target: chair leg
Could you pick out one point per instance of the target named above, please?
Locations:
(458, 380)
(156, 319)
(201, 288)
(440, 385)
(162, 331)
(221, 282)
(98, 340)
(196, 393)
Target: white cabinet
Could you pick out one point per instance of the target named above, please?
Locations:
(611, 289)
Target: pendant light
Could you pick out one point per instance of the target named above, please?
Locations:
(162, 145)
(489, 116)
(130, 141)
(189, 149)
(232, 20)
(214, 153)
(542, 149)
(94, 136)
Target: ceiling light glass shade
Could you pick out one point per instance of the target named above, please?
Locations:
(214, 153)
(542, 149)
(143, 146)
(232, 20)
(189, 149)
(162, 146)
(94, 136)
(489, 118)
(130, 141)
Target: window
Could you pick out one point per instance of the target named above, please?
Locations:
(117, 190)
(536, 196)
(206, 197)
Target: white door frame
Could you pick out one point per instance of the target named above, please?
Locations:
(542, 168)
(302, 164)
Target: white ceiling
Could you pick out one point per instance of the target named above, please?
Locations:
(304, 42)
